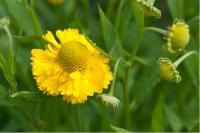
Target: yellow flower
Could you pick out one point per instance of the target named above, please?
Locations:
(178, 37)
(56, 2)
(168, 70)
(72, 68)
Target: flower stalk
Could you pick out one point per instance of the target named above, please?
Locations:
(4, 23)
(182, 58)
(168, 69)
(114, 76)
(157, 30)
(108, 99)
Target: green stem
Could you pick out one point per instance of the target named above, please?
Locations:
(157, 30)
(139, 18)
(178, 8)
(11, 57)
(196, 18)
(127, 73)
(135, 47)
(10, 42)
(78, 121)
(114, 76)
(126, 100)
(182, 58)
(137, 58)
(119, 14)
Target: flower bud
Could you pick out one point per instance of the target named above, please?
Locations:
(149, 9)
(178, 37)
(109, 101)
(4, 22)
(168, 70)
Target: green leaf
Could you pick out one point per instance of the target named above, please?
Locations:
(3, 91)
(195, 127)
(5, 66)
(146, 83)
(27, 39)
(138, 15)
(175, 8)
(173, 119)
(172, 8)
(28, 22)
(191, 63)
(25, 94)
(2, 61)
(4, 100)
(118, 129)
(139, 19)
(157, 115)
(112, 41)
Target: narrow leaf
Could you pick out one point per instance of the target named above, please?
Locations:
(3, 91)
(139, 19)
(113, 44)
(175, 8)
(118, 129)
(27, 39)
(173, 119)
(146, 83)
(28, 22)
(27, 95)
(157, 116)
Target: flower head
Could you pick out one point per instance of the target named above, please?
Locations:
(109, 101)
(178, 36)
(168, 70)
(4, 22)
(72, 68)
(56, 2)
(149, 9)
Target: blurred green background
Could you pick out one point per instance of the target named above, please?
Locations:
(156, 105)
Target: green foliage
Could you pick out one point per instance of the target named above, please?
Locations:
(23, 16)
(173, 119)
(116, 28)
(157, 116)
(112, 41)
(118, 129)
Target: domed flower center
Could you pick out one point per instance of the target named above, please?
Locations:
(73, 56)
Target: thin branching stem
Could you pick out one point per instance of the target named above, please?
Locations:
(11, 57)
(182, 58)
(157, 30)
(114, 76)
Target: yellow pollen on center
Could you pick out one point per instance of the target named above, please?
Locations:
(73, 56)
